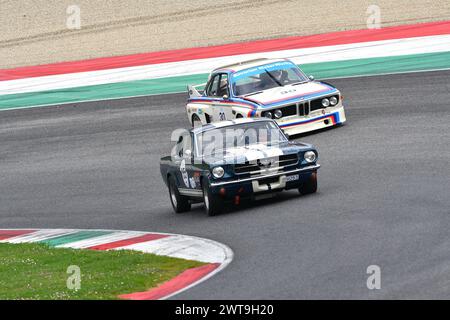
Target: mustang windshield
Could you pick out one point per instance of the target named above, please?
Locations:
(246, 135)
(278, 74)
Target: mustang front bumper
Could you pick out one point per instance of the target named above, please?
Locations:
(264, 183)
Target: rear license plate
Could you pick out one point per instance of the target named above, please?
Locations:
(294, 177)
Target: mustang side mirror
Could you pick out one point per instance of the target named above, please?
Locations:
(188, 156)
(311, 77)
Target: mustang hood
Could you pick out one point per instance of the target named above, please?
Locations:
(255, 152)
(279, 94)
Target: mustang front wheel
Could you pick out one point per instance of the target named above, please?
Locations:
(179, 203)
(310, 185)
(213, 205)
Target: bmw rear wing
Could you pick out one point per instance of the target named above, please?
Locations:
(193, 91)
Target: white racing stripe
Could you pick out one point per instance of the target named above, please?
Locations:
(386, 48)
(255, 152)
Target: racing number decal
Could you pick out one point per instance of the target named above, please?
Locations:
(192, 182)
(188, 182)
(222, 116)
(184, 173)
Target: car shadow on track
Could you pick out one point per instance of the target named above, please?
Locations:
(247, 204)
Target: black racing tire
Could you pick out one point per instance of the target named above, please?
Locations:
(239, 116)
(196, 122)
(213, 204)
(310, 185)
(179, 202)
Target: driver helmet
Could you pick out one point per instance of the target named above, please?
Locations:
(277, 74)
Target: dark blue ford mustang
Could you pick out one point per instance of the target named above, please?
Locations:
(230, 160)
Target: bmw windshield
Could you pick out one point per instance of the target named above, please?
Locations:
(254, 80)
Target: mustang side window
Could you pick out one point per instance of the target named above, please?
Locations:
(179, 147)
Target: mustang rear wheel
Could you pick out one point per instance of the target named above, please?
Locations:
(213, 204)
(179, 203)
(196, 122)
(310, 185)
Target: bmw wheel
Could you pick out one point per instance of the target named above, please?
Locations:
(310, 185)
(179, 203)
(213, 204)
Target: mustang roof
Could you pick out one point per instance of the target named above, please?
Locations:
(247, 64)
(227, 123)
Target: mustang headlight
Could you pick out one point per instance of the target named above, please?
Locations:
(325, 102)
(278, 114)
(218, 172)
(310, 156)
(333, 101)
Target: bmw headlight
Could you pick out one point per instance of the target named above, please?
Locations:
(333, 101)
(310, 156)
(278, 114)
(325, 102)
(268, 114)
(218, 172)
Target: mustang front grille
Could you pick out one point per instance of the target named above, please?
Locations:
(254, 167)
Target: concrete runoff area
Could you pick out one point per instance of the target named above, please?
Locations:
(35, 32)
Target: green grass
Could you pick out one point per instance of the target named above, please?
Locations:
(36, 271)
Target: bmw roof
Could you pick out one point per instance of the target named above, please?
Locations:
(246, 64)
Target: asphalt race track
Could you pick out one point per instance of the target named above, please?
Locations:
(384, 191)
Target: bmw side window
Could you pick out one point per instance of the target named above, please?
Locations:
(208, 87)
(214, 86)
(223, 86)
